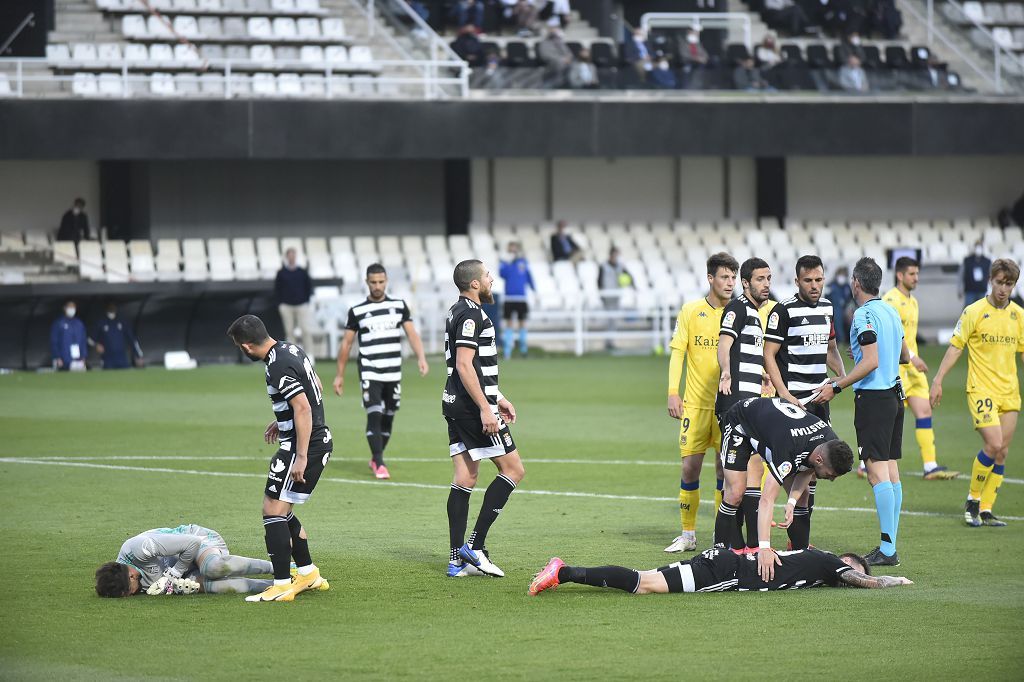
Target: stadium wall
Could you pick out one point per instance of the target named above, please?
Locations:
(35, 194)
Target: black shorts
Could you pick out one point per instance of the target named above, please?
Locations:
(736, 449)
(518, 309)
(467, 435)
(713, 570)
(878, 420)
(281, 486)
(382, 396)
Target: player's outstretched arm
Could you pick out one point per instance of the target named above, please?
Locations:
(834, 359)
(343, 353)
(948, 361)
(771, 366)
(725, 342)
(417, 347)
(855, 578)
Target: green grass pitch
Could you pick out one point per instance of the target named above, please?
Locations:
(156, 448)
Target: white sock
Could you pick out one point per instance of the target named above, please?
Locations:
(306, 570)
(930, 465)
(281, 583)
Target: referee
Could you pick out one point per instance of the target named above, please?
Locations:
(876, 339)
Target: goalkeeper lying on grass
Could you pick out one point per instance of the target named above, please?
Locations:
(182, 560)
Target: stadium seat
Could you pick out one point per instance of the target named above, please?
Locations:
(517, 54)
(109, 54)
(313, 85)
(65, 252)
(156, 27)
(360, 54)
(264, 84)
(311, 54)
(289, 85)
(310, 6)
(84, 55)
(186, 26)
(262, 55)
(136, 54)
(974, 11)
(896, 57)
(90, 261)
(1003, 37)
(282, 5)
(284, 28)
(268, 252)
(308, 27)
(141, 262)
(259, 27)
(115, 258)
(994, 12)
(603, 54)
(161, 54)
(111, 85)
(134, 26)
(162, 84)
(58, 54)
(336, 54)
(193, 258)
(234, 27)
(332, 28)
(817, 57)
(184, 5)
(221, 263)
(186, 55)
(84, 84)
(257, 6)
(245, 263)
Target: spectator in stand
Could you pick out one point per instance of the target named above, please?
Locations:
(583, 73)
(491, 76)
(419, 8)
(974, 275)
(851, 44)
(637, 54)
(525, 13)
(516, 273)
(612, 277)
(469, 12)
(787, 16)
(661, 76)
(934, 74)
(884, 19)
(841, 296)
(115, 342)
(556, 56)
(559, 13)
(74, 226)
(562, 245)
(68, 341)
(294, 288)
(852, 78)
(467, 46)
(695, 60)
(767, 52)
(748, 77)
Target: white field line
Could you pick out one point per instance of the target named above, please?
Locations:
(413, 460)
(427, 486)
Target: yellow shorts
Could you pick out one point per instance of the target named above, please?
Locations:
(915, 383)
(698, 432)
(986, 408)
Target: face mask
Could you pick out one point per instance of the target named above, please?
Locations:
(855, 40)
(70, 311)
(841, 280)
(663, 66)
(691, 39)
(111, 316)
(978, 251)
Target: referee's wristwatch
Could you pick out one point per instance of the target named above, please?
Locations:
(836, 388)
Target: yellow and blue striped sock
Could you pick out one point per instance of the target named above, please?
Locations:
(979, 474)
(689, 501)
(992, 483)
(926, 442)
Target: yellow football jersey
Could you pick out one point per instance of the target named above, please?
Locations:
(696, 335)
(763, 311)
(992, 337)
(906, 306)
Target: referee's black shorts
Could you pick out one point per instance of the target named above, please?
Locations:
(517, 309)
(878, 419)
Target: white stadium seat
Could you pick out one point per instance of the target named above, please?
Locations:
(136, 54)
(84, 84)
(264, 84)
(186, 26)
(90, 261)
(269, 254)
(262, 55)
(111, 85)
(221, 263)
(282, 5)
(259, 27)
(162, 84)
(84, 54)
(308, 27)
(332, 28)
(284, 28)
(156, 27)
(336, 54)
(58, 53)
(289, 85)
(161, 54)
(187, 55)
(311, 54)
(109, 54)
(134, 26)
(143, 267)
(193, 258)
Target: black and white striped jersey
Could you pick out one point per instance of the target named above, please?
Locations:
(289, 373)
(746, 357)
(469, 327)
(379, 326)
(798, 569)
(804, 331)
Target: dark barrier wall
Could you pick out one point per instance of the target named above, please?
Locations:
(157, 130)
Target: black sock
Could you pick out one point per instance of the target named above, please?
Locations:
(300, 547)
(810, 497)
(602, 576)
(725, 525)
(751, 499)
(800, 530)
(373, 436)
(275, 531)
(458, 515)
(387, 422)
(494, 501)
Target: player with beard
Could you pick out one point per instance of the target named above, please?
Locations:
(478, 416)
(741, 362)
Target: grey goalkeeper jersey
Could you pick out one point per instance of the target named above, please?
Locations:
(154, 551)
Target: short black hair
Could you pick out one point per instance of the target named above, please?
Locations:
(840, 456)
(112, 580)
(721, 260)
(905, 262)
(376, 269)
(248, 329)
(79, 202)
(808, 262)
(748, 267)
(466, 272)
(868, 275)
(865, 568)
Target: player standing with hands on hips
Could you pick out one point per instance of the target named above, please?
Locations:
(876, 339)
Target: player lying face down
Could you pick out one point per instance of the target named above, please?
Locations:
(722, 570)
(182, 560)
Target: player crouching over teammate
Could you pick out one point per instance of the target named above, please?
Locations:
(181, 560)
(720, 570)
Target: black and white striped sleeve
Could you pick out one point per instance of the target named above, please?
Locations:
(285, 381)
(733, 319)
(778, 324)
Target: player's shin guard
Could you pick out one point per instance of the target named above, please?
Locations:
(992, 483)
(458, 517)
(387, 422)
(275, 531)
(373, 435)
(800, 530)
(897, 507)
(926, 442)
(751, 500)
(522, 340)
(689, 502)
(885, 506)
(300, 547)
(617, 577)
(509, 341)
(979, 474)
(725, 525)
(495, 497)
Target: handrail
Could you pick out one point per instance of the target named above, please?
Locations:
(29, 19)
(697, 20)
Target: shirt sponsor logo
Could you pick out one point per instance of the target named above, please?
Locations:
(468, 328)
(815, 339)
(999, 338)
(447, 397)
(704, 342)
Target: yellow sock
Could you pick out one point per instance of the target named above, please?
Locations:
(926, 442)
(979, 474)
(988, 495)
(764, 475)
(689, 502)
(718, 499)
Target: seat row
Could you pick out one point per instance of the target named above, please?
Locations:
(234, 29)
(162, 84)
(216, 7)
(139, 57)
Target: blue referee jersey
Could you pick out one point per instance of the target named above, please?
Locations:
(516, 274)
(878, 322)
